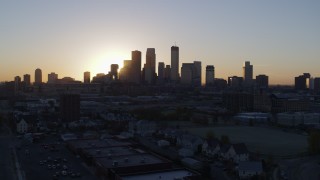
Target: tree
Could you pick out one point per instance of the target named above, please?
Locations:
(210, 134)
(225, 139)
(314, 142)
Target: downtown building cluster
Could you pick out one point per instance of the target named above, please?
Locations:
(134, 73)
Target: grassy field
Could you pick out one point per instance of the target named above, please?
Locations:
(259, 139)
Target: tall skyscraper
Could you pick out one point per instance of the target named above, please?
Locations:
(126, 71)
(114, 71)
(38, 76)
(161, 72)
(150, 66)
(27, 79)
(17, 83)
(209, 75)
(247, 73)
(136, 67)
(86, 77)
(197, 76)
(52, 78)
(174, 63)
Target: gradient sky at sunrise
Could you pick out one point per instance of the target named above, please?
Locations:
(280, 38)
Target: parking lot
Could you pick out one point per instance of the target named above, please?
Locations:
(50, 159)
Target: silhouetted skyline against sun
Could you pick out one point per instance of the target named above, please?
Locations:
(281, 39)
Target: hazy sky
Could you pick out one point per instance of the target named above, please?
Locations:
(281, 38)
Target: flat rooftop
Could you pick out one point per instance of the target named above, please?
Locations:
(130, 160)
(111, 151)
(96, 143)
(167, 175)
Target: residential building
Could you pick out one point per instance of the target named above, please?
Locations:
(22, 126)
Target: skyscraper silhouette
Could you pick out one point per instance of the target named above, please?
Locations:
(52, 78)
(209, 75)
(136, 67)
(174, 74)
(38, 76)
(26, 79)
(150, 67)
(247, 73)
(86, 77)
(161, 72)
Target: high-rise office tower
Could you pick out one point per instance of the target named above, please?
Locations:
(262, 81)
(114, 71)
(52, 78)
(247, 73)
(235, 81)
(197, 73)
(150, 66)
(17, 83)
(187, 73)
(38, 76)
(86, 77)
(167, 73)
(161, 72)
(301, 82)
(125, 72)
(316, 85)
(27, 79)
(191, 73)
(136, 67)
(174, 74)
(209, 75)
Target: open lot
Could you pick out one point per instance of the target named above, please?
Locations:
(259, 139)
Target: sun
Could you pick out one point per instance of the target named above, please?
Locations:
(102, 62)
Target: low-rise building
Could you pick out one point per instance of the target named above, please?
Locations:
(211, 147)
(249, 169)
(22, 126)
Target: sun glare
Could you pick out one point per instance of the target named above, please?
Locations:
(101, 64)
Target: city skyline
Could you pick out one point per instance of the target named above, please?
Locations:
(281, 39)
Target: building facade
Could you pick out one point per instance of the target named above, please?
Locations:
(174, 75)
(38, 76)
(209, 75)
(86, 77)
